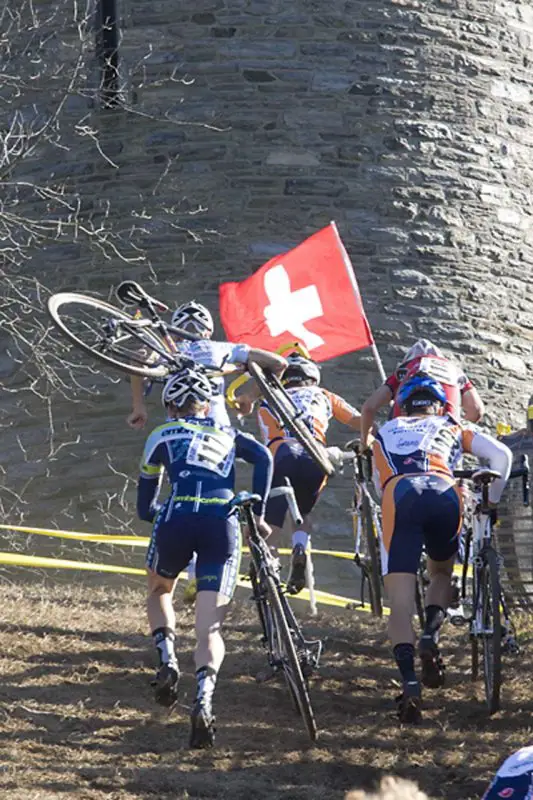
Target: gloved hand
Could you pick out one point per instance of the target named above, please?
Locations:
(335, 456)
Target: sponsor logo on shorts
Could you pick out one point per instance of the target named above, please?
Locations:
(507, 792)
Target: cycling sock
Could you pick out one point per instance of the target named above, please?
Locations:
(164, 639)
(206, 678)
(300, 537)
(405, 658)
(435, 616)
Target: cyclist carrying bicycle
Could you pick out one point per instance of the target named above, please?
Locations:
(414, 456)
(196, 318)
(317, 407)
(199, 457)
(426, 357)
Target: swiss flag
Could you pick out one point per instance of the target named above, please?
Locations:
(308, 294)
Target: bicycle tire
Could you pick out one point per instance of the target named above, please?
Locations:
(291, 665)
(492, 653)
(283, 406)
(374, 573)
(143, 336)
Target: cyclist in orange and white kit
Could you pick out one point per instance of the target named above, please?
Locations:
(291, 461)
(414, 458)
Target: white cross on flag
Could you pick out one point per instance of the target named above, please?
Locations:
(308, 294)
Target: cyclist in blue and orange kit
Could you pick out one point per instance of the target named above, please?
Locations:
(414, 458)
(199, 458)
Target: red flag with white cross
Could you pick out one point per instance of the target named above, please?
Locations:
(308, 294)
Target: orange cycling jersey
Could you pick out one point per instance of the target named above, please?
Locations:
(316, 405)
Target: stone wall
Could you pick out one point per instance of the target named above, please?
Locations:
(254, 123)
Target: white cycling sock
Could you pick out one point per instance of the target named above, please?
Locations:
(191, 568)
(300, 537)
(164, 639)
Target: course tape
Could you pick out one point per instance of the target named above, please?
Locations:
(134, 541)
(21, 560)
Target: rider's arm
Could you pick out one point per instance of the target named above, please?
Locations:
(472, 405)
(343, 411)
(138, 415)
(250, 450)
(498, 455)
(380, 398)
(266, 360)
(148, 483)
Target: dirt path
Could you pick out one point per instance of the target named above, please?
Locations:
(77, 718)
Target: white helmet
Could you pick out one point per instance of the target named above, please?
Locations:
(193, 318)
(188, 384)
(422, 348)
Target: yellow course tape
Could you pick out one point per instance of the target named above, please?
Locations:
(135, 541)
(21, 560)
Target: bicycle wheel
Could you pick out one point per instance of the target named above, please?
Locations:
(372, 546)
(291, 665)
(490, 594)
(110, 335)
(288, 413)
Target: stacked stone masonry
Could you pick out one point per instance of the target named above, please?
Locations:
(253, 123)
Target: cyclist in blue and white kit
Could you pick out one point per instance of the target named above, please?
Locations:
(199, 458)
(196, 318)
(514, 778)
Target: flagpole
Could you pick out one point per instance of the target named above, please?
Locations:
(351, 275)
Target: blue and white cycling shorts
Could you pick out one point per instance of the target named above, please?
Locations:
(215, 540)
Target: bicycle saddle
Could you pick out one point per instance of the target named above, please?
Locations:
(243, 499)
(132, 294)
(485, 475)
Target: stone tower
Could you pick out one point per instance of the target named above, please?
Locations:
(249, 124)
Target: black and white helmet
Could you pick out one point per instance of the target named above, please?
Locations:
(193, 318)
(301, 369)
(188, 384)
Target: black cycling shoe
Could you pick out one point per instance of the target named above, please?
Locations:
(410, 703)
(432, 666)
(202, 727)
(166, 685)
(296, 579)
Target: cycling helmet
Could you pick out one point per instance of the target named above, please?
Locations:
(301, 369)
(193, 318)
(428, 389)
(188, 384)
(422, 348)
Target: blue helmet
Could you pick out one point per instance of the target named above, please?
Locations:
(421, 384)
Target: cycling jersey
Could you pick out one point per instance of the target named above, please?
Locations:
(434, 444)
(316, 406)
(446, 372)
(514, 778)
(199, 458)
(216, 354)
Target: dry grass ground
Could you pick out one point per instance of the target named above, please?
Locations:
(77, 718)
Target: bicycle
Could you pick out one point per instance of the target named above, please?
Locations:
(146, 346)
(287, 649)
(488, 602)
(366, 517)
